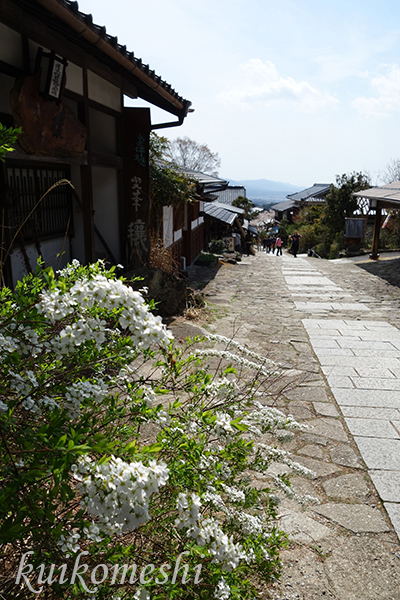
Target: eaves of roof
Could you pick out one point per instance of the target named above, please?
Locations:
(318, 190)
(203, 178)
(388, 195)
(82, 23)
(230, 207)
(285, 205)
(220, 213)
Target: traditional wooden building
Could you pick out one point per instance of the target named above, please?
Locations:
(63, 80)
(384, 197)
(184, 225)
(312, 196)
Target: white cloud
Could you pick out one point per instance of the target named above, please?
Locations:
(260, 84)
(386, 85)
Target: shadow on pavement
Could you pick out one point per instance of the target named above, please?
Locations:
(385, 269)
(199, 276)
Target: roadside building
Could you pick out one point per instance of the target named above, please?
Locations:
(185, 226)
(64, 79)
(312, 196)
(380, 198)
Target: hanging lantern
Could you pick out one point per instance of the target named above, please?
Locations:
(52, 74)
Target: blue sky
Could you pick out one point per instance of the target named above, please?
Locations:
(293, 91)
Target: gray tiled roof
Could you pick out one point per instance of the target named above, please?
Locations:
(231, 193)
(134, 64)
(215, 210)
(389, 193)
(318, 190)
(285, 205)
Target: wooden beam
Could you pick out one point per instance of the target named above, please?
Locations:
(106, 160)
(377, 227)
(19, 154)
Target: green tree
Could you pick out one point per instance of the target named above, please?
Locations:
(340, 202)
(246, 204)
(168, 186)
(8, 138)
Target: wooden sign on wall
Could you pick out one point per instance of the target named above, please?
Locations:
(48, 128)
(136, 186)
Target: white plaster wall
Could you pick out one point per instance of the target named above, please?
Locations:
(74, 80)
(103, 130)
(106, 216)
(177, 235)
(33, 48)
(103, 91)
(51, 249)
(10, 46)
(168, 225)
(77, 242)
(196, 223)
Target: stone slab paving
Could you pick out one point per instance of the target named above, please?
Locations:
(370, 417)
(346, 547)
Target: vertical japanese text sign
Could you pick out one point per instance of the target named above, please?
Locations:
(136, 186)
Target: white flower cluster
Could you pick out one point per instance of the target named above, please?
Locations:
(222, 426)
(69, 542)
(56, 305)
(84, 389)
(249, 524)
(117, 492)
(233, 494)
(8, 344)
(23, 385)
(270, 419)
(239, 360)
(27, 341)
(69, 269)
(222, 591)
(229, 342)
(208, 531)
(211, 496)
(290, 493)
(149, 396)
(109, 294)
(282, 456)
(221, 388)
(92, 533)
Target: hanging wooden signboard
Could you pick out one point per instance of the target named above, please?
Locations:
(136, 186)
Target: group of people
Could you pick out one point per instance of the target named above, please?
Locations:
(275, 242)
(270, 243)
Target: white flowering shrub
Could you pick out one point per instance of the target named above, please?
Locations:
(127, 458)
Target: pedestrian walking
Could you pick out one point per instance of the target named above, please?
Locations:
(278, 245)
(273, 242)
(248, 239)
(295, 243)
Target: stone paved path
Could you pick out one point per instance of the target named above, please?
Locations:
(337, 326)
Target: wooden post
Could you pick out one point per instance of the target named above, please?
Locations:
(377, 227)
(86, 182)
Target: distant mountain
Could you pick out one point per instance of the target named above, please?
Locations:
(265, 191)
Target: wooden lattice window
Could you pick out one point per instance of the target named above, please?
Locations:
(26, 185)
